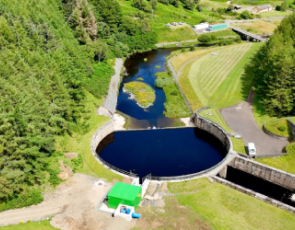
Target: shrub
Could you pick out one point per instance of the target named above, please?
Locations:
(174, 93)
(246, 15)
(22, 200)
(282, 128)
(284, 6)
(278, 8)
(199, 8)
(192, 48)
(162, 75)
(291, 148)
(78, 161)
(160, 83)
(207, 37)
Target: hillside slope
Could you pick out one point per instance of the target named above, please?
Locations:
(43, 70)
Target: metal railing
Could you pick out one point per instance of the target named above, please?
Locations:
(131, 174)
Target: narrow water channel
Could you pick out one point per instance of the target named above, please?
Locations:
(259, 185)
(137, 67)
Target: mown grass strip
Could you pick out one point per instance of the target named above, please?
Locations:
(188, 90)
(209, 72)
(236, 86)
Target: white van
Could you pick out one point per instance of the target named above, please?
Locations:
(251, 149)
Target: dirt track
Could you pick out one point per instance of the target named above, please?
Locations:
(74, 206)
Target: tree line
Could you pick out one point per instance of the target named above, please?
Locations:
(50, 53)
(273, 68)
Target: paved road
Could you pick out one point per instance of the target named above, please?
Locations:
(175, 43)
(229, 21)
(239, 117)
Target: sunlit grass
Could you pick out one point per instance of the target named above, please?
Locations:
(225, 208)
(40, 225)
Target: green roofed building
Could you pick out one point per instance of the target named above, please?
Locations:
(122, 193)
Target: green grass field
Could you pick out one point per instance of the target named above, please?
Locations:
(40, 225)
(285, 163)
(209, 72)
(279, 127)
(178, 33)
(217, 81)
(235, 88)
(224, 208)
(168, 14)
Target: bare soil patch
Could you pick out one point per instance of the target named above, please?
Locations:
(71, 155)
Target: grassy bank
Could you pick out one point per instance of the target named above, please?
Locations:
(80, 142)
(279, 127)
(177, 33)
(40, 225)
(209, 72)
(187, 88)
(236, 87)
(175, 106)
(257, 27)
(285, 163)
(168, 14)
(222, 207)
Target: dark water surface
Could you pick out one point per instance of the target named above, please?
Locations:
(259, 185)
(162, 152)
(136, 67)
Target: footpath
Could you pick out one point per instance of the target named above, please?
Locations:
(110, 102)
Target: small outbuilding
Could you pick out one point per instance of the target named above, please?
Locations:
(262, 8)
(122, 193)
(200, 26)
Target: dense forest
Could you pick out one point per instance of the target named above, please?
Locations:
(273, 68)
(51, 51)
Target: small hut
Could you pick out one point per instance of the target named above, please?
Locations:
(122, 193)
(262, 8)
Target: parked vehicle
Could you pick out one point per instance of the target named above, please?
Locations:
(251, 149)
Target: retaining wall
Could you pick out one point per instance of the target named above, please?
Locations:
(292, 127)
(276, 176)
(98, 137)
(214, 129)
(274, 135)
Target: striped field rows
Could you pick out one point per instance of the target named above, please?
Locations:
(208, 73)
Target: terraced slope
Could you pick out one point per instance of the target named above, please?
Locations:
(208, 73)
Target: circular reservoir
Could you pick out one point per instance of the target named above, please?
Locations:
(162, 152)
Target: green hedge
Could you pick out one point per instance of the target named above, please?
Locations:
(22, 200)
